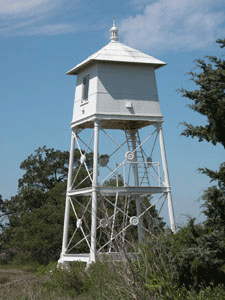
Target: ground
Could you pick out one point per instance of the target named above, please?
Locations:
(19, 283)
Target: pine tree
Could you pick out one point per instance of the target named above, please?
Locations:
(205, 254)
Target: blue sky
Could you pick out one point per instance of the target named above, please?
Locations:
(40, 40)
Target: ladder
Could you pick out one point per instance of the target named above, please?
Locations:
(140, 165)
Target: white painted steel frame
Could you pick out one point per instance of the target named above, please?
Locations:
(94, 193)
(166, 176)
(105, 191)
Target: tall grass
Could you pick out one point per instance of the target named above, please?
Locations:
(101, 281)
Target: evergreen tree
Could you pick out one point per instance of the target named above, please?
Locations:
(209, 101)
(200, 254)
(33, 230)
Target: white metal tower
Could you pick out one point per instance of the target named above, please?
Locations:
(122, 170)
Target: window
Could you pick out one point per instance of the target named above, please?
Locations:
(85, 89)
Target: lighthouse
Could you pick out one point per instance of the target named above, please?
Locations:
(122, 171)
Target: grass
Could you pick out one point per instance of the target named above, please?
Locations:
(30, 282)
(20, 283)
(102, 281)
(52, 283)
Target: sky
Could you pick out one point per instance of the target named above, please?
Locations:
(40, 40)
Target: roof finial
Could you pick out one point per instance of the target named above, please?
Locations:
(114, 32)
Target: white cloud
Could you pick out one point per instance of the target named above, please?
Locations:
(139, 4)
(175, 24)
(13, 8)
(34, 17)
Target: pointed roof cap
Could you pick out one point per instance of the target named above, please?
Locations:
(117, 52)
(114, 32)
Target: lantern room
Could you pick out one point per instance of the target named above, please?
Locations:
(116, 84)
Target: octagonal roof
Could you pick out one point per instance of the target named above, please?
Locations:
(118, 52)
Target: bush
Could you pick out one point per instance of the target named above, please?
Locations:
(205, 293)
(70, 281)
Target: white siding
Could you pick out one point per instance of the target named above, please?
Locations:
(117, 89)
(122, 83)
(80, 110)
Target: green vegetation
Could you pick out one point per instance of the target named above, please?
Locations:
(103, 280)
(205, 251)
(187, 265)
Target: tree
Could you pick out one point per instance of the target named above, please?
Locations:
(44, 169)
(38, 235)
(204, 253)
(209, 99)
(33, 230)
(198, 255)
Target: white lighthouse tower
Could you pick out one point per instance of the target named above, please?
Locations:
(122, 171)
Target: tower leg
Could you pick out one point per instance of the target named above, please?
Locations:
(166, 176)
(94, 195)
(67, 207)
(136, 181)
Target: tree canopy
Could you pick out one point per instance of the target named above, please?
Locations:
(44, 169)
(208, 100)
(200, 249)
(34, 225)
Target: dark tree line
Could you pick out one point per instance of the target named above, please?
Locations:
(199, 249)
(33, 230)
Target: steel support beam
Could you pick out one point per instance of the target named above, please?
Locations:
(166, 177)
(94, 194)
(136, 181)
(122, 190)
(67, 206)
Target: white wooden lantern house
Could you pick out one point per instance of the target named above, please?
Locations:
(121, 174)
